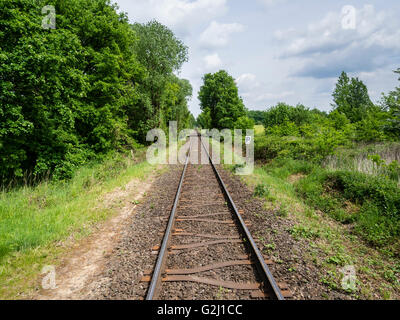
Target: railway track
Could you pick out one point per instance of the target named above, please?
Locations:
(207, 249)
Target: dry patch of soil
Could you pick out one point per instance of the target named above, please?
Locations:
(296, 177)
(75, 277)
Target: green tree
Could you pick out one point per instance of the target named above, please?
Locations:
(244, 123)
(84, 89)
(257, 116)
(219, 95)
(162, 53)
(351, 98)
(391, 103)
(176, 97)
(282, 113)
(204, 119)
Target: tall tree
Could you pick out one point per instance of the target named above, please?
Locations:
(257, 116)
(351, 98)
(63, 91)
(162, 53)
(84, 89)
(176, 102)
(392, 104)
(219, 96)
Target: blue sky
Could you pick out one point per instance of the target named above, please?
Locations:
(282, 50)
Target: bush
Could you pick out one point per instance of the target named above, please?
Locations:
(359, 187)
(283, 168)
(282, 113)
(376, 199)
(261, 190)
(244, 123)
(371, 128)
(267, 148)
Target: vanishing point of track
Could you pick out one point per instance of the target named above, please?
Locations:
(207, 246)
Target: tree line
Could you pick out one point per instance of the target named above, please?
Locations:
(348, 155)
(94, 84)
(353, 113)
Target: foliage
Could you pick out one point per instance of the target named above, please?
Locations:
(175, 103)
(33, 216)
(244, 123)
(204, 119)
(257, 116)
(219, 97)
(391, 170)
(351, 98)
(378, 200)
(261, 190)
(302, 141)
(84, 89)
(391, 103)
(283, 113)
(312, 142)
(161, 53)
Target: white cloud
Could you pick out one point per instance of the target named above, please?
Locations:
(218, 35)
(325, 48)
(212, 61)
(273, 96)
(177, 14)
(245, 78)
(247, 82)
(310, 43)
(269, 3)
(254, 91)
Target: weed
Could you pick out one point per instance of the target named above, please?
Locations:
(270, 246)
(282, 211)
(261, 190)
(34, 218)
(221, 293)
(300, 231)
(337, 260)
(330, 280)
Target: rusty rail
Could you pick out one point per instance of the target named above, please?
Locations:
(269, 281)
(157, 275)
(270, 288)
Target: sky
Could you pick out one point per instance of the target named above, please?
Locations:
(289, 51)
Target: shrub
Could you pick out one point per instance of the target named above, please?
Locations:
(267, 148)
(244, 123)
(261, 190)
(377, 199)
(282, 113)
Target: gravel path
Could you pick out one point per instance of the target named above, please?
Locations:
(290, 266)
(121, 276)
(128, 261)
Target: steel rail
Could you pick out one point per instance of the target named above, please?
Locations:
(156, 278)
(260, 263)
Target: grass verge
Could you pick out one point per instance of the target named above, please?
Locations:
(35, 221)
(333, 212)
(332, 244)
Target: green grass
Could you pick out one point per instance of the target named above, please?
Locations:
(259, 130)
(371, 203)
(34, 219)
(331, 244)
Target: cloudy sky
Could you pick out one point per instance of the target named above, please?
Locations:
(282, 50)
